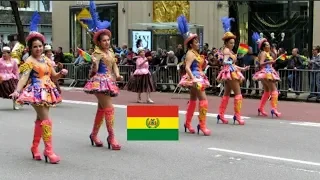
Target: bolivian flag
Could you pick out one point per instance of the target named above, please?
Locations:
(152, 123)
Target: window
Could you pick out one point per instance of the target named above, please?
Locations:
(79, 36)
(24, 4)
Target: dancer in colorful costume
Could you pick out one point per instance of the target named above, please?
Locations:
(39, 90)
(102, 84)
(195, 79)
(9, 75)
(141, 81)
(269, 77)
(231, 75)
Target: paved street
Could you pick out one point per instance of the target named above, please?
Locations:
(262, 149)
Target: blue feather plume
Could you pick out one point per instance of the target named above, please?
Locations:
(88, 22)
(226, 23)
(183, 26)
(96, 23)
(35, 20)
(255, 37)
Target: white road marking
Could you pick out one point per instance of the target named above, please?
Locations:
(306, 124)
(266, 157)
(124, 107)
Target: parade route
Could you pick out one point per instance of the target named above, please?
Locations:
(262, 149)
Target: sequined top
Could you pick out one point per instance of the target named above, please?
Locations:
(105, 64)
(197, 64)
(8, 69)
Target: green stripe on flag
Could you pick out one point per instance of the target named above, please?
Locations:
(152, 134)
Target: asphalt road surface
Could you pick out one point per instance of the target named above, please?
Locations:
(263, 149)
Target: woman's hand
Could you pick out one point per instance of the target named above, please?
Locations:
(15, 95)
(93, 59)
(246, 68)
(64, 72)
(119, 78)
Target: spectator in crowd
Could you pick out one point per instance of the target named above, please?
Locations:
(295, 62)
(205, 50)
(172, 60)
(315, 76)
(59, 57)
(248, 60)
(179, 52)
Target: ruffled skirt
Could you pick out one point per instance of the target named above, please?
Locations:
(35, 94)
(102, 83)
(266, 73)
(202, 81)
(141, 84)
(228, 74)
(7, 88)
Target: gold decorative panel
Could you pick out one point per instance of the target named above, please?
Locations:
(168, 11)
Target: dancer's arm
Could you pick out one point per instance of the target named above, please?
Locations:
(189, 59)
(25, 70)
(15, 70)
(54, 74)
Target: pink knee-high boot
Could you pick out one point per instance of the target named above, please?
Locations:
(222, 109)
(274, 104)
(237, 109)
(203, 108)
(263, 101)
(96, 127)
(190, 111)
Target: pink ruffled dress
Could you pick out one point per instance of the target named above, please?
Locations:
(198, 74)
(267, 71)
(9, 75)
(229, 70)
(102, 81)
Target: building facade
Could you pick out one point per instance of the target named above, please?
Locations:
(125, 15)
(26, 9)
(67, 34)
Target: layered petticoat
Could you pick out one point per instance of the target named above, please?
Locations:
(230, 72)
(187, 82)
(35, 94)
(267, 72)
(102, 83)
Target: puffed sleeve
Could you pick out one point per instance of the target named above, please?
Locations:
(27, 66)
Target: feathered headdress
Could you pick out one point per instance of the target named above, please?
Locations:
(226, 24)
(255, 37)
(95, 25)
(183, 28)
(35, 19)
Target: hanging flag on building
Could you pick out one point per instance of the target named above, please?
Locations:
(152, 123)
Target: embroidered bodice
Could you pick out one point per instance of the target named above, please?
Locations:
(8, 69)
(105, 64)
(197, 64)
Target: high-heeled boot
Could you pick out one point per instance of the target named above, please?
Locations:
(274, 104)
(190, 111)
(237, 109)
(203, 108)
(222, 109)
(112, 143)
(95, 129)
(263, 101)
(36, 140)
(46, 126)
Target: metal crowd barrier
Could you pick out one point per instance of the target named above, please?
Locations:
(167, 78)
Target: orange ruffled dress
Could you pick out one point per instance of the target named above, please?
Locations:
(267, 71)
(102, 81)
(40, 90)
(229, 70)
(197, 72)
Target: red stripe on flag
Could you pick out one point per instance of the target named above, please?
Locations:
(152, 111)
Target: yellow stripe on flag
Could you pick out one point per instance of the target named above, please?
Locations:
(152, 122)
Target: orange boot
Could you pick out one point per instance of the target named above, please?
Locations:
(203, 108)
(112, 142)
(190, 111)
(95, 129)
(36, 140)
(263, 101)
(237, 109)
(222, 109)
(47, 139)
(274, 104)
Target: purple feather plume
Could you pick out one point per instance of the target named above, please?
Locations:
(255, 37)
(96, 23)
(35, 20)
(226, 23)
(183, 26)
